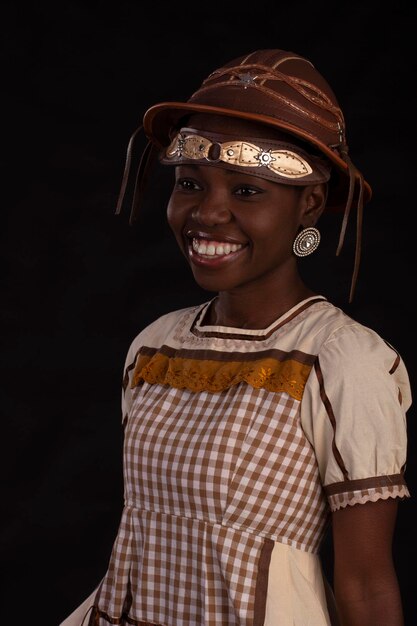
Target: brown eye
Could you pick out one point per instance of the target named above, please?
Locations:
(247, 191)
(187, 184)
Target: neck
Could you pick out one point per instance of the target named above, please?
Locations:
(254, 309)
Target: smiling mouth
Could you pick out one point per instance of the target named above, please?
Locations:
(212, 249)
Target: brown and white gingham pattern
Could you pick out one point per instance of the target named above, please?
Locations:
(209, 477)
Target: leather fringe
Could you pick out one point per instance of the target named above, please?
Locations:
(126, 171)
(354, 174)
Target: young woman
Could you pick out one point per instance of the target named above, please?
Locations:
(257, 418)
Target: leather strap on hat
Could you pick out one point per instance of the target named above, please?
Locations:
(256, 75)
(278, 161)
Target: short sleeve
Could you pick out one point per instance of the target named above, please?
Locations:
(128, 370)
(147, 340)
(127, 375)
(353, 412)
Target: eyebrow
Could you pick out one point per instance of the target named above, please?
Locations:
(254, 180)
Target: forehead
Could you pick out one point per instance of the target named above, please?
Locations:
(218, 175)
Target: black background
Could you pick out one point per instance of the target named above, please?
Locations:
(78, 283)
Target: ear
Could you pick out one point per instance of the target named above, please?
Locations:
(314, 199)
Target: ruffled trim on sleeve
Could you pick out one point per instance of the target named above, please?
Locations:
(382, 489)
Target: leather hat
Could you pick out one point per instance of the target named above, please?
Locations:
(277, 88)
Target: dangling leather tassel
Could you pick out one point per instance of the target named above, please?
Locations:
(147, 159)
(126, 171)
(353, 174)
(349, 200)
(358, 247)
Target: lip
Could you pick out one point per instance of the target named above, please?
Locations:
(210, 262)
(198, 234)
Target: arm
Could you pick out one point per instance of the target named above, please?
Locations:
(365, 582)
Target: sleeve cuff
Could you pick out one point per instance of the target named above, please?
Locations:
(350, 492)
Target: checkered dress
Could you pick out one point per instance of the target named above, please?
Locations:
(222, 463)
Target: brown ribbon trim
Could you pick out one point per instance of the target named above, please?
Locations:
(365, 483)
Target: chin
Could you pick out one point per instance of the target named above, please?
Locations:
(212, 283)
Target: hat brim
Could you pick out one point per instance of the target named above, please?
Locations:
(160, 119)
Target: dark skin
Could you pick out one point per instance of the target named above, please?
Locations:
(365, 581)
(262, 281)
(256, 284)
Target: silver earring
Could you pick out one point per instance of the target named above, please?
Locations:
(306, 241)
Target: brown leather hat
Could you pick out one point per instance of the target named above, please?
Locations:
(277, 88)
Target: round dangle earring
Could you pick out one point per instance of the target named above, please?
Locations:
(306, 241)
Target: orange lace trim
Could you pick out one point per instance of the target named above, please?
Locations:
(289, 376)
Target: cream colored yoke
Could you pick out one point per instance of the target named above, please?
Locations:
(238, 445)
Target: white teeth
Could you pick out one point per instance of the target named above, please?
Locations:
(213, 248)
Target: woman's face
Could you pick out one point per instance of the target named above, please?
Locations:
(236, 230)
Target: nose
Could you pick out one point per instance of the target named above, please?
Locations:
(212, 209)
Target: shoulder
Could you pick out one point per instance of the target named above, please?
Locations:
(324, 328)
(336, 328)
(355, 356)
(159, 330)
(347, 338)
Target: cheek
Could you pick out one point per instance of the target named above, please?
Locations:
(269, 228)
(173, 215)
(170, 214)
(272, 235)
(176, 220)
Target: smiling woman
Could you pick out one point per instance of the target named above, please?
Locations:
(244, 208)
(256, 419)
